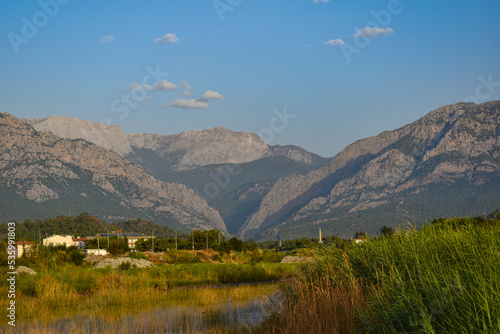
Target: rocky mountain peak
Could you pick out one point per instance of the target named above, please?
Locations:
(108, 136)
(195, 148)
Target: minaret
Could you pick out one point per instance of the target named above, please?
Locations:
(320, 239)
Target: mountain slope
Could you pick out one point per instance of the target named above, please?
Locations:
(217, 163)
(449, 159)
(42, 174)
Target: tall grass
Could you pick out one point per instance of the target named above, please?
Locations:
(442, 279)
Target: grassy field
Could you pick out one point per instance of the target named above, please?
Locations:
(444, 278)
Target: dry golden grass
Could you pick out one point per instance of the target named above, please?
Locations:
(317, 308)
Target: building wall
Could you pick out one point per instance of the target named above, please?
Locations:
(58, 240)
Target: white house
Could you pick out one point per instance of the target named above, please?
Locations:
(133, 239)
(56, 240)
(79, 242)
(96, 252)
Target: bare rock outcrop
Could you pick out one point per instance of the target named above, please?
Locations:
(195, 148)
(108, 136)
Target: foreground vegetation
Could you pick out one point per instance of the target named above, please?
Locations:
(70, 291)
(444, 278)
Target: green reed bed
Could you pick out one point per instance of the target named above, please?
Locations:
(442, 279)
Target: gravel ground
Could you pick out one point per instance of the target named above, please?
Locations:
(296, 259)
(115, 263)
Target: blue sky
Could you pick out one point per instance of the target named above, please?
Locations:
(342, 70)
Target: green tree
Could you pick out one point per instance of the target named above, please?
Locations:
(387, 231)
(118, 246)
(360, 234)
(236, 244)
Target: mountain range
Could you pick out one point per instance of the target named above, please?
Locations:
(445, 164)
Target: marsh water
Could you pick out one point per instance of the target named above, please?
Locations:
(242, 309)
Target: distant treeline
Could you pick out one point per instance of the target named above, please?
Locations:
(84, 225)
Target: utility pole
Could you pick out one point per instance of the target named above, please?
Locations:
(107, 231)
(98, 245)
(206, 233)
(192, 239)
(153, 239)
(175, 239)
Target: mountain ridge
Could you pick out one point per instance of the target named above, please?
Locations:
(385, 160)
(43, 168)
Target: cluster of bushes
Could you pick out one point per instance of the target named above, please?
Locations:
(47, 257)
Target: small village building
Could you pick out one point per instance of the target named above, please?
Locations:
(132, 237)
(58, 240)
(96, 252)
(79, 242)
(22, 247)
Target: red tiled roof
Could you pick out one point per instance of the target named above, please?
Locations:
(80, 239)
(24, 243)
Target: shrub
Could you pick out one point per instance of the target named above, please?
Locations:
(180, 257)
(26, 283)
(137, 256)
(216, 258)
(76, 257)
(125, 265)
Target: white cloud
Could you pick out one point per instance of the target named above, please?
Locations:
(318, 1)
(209, 94)
(200, 103)
(146, 98)
(162, 85)
(306, 45)
(186, 93)
(372, 32)
(337, 41)
(107, 39)
(187, 104)
(168, 38)
(185, 85)
(165, 85)
(138, 87)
